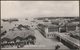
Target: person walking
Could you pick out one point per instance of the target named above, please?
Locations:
(57, 47)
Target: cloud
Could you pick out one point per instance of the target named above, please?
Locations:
(38, 8)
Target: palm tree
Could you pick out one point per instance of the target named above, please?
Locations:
(31, 39)
(17, 41)
(5, 41)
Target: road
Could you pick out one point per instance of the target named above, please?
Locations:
(48, 43)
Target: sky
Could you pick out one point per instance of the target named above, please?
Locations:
(24, 9)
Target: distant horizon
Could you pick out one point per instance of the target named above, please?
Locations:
(43, 17)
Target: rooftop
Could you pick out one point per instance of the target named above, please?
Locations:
(14, 34)
(49, 25)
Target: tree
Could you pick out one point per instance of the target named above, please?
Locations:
(31, 39)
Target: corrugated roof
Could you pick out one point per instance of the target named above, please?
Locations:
(49, 24)
(14, 34)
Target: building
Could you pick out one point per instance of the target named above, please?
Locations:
(72, 26)
(16, 35)
(48, 29)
